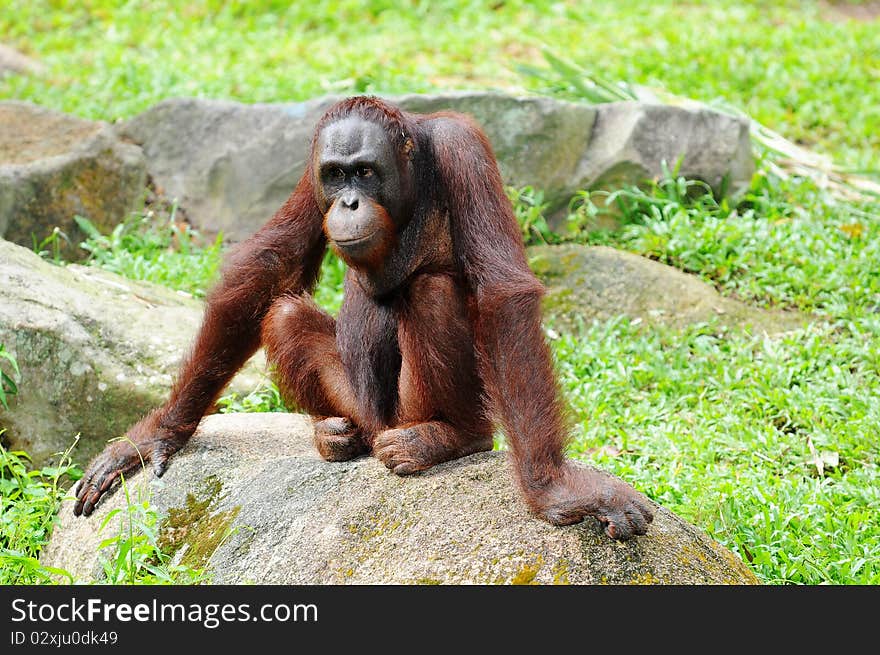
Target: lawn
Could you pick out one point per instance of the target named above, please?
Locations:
(795, 66)
(768, 444)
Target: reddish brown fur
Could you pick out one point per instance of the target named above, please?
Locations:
(300, 340)
(439, 333)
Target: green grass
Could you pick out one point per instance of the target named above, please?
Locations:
(769, 444)
(130, 552)
(29, 499)
(718, 428)
(732, 430)
(156, 249)
(790, 64)
(787, 243)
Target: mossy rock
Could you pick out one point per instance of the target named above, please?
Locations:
(597, 283)
(96, 352)
(54, 166)
(250, 500)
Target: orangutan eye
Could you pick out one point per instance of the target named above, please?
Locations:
(364, 171)
(333, 174)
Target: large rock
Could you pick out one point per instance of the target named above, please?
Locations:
(229, 165)
(632, 139)
(232, 165)
(598, 283)
(537, 141)
(54, 166)
(562, 147)
(250, 500)
(96, 352)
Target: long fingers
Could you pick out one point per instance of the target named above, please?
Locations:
(100, 476)
(90, 491)
(160, 463)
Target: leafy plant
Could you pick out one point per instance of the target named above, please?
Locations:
(529, 208)
(786, 242)
(584, 214)
(29, 500)
(8, 387)
(157, 249)
(55, 241)
(264, 398)
(328, 293)
(565, 77)
(133, 555)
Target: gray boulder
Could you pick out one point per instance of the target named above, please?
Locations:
(632, 139)
(537, 141)
(598, 283)
(563, 147)
(54, 166)
(249, 500)
(96, 352)
(232, 165)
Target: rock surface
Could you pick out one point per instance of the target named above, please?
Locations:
(231, 166)
(250, 500)
(96, 352)
(631, 139)
(587, 283)
(54, 166)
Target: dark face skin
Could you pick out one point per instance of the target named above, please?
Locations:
(360, 188)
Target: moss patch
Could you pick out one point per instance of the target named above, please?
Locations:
(724, 566)
(560, 572)
(197, 526)
(374, 526)
(528, 572)
(645, 578)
